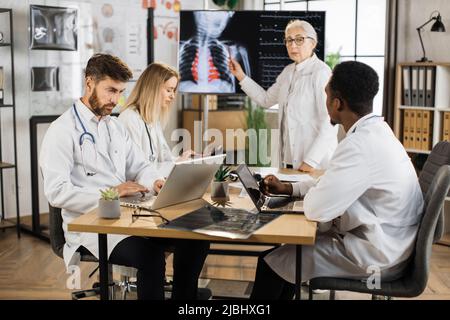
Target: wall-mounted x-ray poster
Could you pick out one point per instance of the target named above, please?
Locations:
(53, 28)
(254, 38)
(44, 79)
(119, 36)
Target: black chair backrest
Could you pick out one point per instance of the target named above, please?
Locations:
(57, 238)
(434, 200)
(439, 156)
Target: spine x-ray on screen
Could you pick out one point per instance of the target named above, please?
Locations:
(253, 38)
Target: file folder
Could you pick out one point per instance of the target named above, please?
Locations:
(426, 130)
(418, 136)
(414, 86)
(406, 124)
(445, 123)
(412, 128)
(421, 87)
(430, 86)
(406, 75)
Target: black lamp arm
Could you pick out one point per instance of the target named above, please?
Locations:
(424, 58)
(421, 43)
(432, 18)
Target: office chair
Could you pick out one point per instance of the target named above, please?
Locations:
(125, 285)
(414, 279)
(439, 156)
(57, 241)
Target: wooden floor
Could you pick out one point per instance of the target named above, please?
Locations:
(30, 270)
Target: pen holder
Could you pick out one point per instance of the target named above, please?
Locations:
(109, 209)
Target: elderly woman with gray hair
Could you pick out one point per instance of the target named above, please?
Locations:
(307, 137)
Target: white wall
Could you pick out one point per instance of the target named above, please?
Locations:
(165, 51)
(414, 13)
(22, 86)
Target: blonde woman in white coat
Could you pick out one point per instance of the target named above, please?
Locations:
(146, 113)
(307, 139)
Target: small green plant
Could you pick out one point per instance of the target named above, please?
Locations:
(226, 4)
(109, 194)
(333, 58)
(256, 119)
(222, 174)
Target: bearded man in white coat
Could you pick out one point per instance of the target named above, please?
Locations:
(85, 150)
(368, 203)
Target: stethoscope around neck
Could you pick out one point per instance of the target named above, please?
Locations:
(86, 141)
(152, 156)
(86, 134)
(87, 145)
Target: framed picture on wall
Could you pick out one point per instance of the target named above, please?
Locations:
(44, 79)
(53, 28)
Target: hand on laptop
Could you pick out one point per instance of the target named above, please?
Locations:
(304, 167)
(189, 154)
(158, 184)
(129, 188)
(271, 185)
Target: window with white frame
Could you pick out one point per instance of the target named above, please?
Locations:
(354, 28)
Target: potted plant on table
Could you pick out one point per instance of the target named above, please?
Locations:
(109, 204)
(219, 187)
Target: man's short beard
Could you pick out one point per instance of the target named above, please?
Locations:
(95, 105)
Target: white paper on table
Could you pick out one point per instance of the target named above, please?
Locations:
(294, 177)
(243, 193)
(237, 185)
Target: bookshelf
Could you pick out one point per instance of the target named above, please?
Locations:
(434, 128)
(8, 151)
(417, 134)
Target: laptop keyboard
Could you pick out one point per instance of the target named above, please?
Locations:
(285, 204)
(138, 201)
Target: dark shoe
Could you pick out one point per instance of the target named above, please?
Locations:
(204, 294)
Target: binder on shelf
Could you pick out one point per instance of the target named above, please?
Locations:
(426, 130)
(445, 127)
(406, 125)
(414, 86)
(412, 128)
(1, 85)
(430, 85)
(418, 134)
(406, 75)
(421, 87)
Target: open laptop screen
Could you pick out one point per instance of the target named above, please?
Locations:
(251, 185)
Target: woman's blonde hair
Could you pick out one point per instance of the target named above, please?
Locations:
(146, 94)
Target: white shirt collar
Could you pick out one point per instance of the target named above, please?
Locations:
(304, 64)
(88, 114)
(362, 120)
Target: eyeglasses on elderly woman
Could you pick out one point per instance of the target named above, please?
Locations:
(298, 40)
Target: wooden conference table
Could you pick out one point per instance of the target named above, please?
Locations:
(286, 229)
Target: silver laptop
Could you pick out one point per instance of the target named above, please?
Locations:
(266, 203)
(188, 180)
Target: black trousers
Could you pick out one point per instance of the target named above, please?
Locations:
(268, 284)
(147, 255)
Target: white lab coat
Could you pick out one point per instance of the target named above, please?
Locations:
(66, 184)
(310, 136)
(371, 195)
(133, 122)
